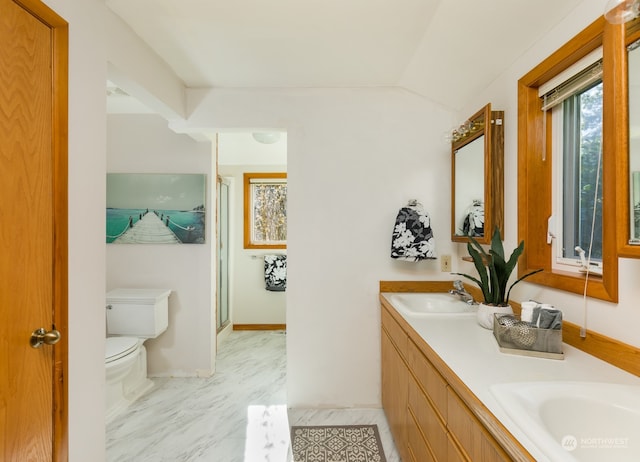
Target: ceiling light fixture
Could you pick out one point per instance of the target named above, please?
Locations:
(266, 137)
(621, 11)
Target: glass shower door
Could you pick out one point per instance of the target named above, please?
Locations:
(223, 254)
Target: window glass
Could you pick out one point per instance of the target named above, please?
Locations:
(268, 213)
(581, 173)
(265, 210)
(543, 169)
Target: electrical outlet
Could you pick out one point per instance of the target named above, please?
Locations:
(445, 263)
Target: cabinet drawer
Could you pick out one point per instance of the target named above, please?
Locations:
(397, 335)
(428, 421)
(429, 379)
(453, 453)
(394, 393)
(417, 446)
(470, 434)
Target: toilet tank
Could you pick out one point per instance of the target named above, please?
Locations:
(140, 313)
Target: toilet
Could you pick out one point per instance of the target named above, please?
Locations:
(133, 315)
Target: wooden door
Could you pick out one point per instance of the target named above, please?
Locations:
(33, 231)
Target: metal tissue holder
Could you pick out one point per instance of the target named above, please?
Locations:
(519, 337)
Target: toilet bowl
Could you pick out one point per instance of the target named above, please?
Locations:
(120, 353)
(126, 373)
(133, 315)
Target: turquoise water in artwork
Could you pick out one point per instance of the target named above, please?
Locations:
(187, 225)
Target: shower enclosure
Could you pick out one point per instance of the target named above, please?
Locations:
(223, 254)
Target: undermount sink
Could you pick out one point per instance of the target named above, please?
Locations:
(428, 303)
(576, 421)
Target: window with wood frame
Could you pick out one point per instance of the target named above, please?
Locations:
(265, 210)
(575, 226)
(538, 150)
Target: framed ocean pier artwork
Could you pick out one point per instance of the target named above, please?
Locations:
(156, 208)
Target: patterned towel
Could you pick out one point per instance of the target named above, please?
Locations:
(473, 224)
(275, 272)
(412, 238)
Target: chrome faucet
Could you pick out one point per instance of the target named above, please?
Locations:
(460, 291)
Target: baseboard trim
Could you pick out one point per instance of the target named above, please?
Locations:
(259, 327)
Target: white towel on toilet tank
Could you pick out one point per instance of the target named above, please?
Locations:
(412, 238)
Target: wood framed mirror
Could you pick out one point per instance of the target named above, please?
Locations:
(477, 177)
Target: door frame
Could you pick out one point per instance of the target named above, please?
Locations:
(59, 142)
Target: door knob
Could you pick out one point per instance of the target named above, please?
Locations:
(40, 336)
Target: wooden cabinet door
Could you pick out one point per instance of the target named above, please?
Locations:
(426, 418)
(33, 236)
(418, 448)
(394, 393)
(473, 439)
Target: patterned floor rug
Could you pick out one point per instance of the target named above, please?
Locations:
(337, 443)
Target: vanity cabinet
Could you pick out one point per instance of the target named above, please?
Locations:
(475, 441)
(395, 377)
(429, 420)
(427, 404)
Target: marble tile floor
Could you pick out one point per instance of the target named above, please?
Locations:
(239, 414)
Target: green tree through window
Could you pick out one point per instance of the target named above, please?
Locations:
(265, 210)
(582, 144)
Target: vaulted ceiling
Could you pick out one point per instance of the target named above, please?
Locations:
(441, 49)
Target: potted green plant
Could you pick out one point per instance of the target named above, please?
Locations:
(494, 272)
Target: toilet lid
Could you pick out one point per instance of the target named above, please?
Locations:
(117, 347)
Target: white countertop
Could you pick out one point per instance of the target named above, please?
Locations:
(472, 353)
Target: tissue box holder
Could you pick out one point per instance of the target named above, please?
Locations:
(518, 337)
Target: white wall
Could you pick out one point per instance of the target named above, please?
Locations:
(87, 250)
(88, 56)
(240, 148)
(87, 69)
(251, 303)
(144, 144)
(135, 68)
(355, 156)
(238, 153)
(619, 320)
